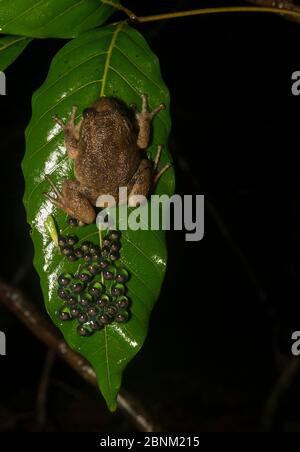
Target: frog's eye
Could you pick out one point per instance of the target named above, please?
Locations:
(88, 112)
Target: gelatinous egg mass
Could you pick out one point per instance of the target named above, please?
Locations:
(96, 295)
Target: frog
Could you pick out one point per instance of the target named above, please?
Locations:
(107, 147)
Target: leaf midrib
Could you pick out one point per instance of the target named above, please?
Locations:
(109, 55)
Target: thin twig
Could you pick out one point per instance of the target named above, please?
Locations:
(16, 302)
(119, 7)
(280, 4)
(220, 10)
(42, 397)
(282, 386)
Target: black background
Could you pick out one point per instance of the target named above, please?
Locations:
(215, 346)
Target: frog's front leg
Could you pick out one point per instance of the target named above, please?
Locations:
(72, 201)
(144, 119)
(71, 131)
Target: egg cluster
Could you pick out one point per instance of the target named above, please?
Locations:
(96, 295)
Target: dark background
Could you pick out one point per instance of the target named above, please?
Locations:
(221, 330)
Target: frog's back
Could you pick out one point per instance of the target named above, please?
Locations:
(108, 151)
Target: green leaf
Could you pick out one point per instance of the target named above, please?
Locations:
(52, 18)
(113, 61)
(10, 48)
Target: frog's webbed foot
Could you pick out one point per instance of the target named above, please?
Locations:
(58, 200)
(71, 131)
(158, 174)
(72, 201)
(144, 119)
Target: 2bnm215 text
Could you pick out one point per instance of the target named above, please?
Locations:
(151, 441)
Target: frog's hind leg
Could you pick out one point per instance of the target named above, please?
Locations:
(71, 131)
(140, 183)
(144, 119)
(145, 178)
(72, 201)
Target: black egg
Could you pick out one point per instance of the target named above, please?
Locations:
(85, 300)
(82, 318)
(72, 301)
(92, 312)
(106, 241)
(104, 319)
(67, 250)
(122, 317)
(103, 301)
(122, 303)
(122, 275)
(105, 251)
(111, 310)
(87, 257)
(94, 249)
(115, 246)
(85, 246)
(114, 235)
(73, 222)
(72, 239)
(96, 289)
(84, 276)
(65, 279)
(103, 263)
(114, 256)
(63, 315)
(77, 287)
(62, 241)
(109, 273)
(78, 253)
(63, 293)
(117, 290)
(94, 268)
(72, 257)
(82, 331)
(75, 313)
(95, 325)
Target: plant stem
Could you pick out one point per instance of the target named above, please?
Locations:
(282, 386)
(42, 395)
(127, 11)
(233, 9)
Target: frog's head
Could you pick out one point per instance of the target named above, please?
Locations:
(106, 104)
(109, 105)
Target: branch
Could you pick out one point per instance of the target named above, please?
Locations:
(295, 12)
(280, 4)
(282, 386)
(41, 403)
(15, 301)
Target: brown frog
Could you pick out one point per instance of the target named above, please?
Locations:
(106, 146)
